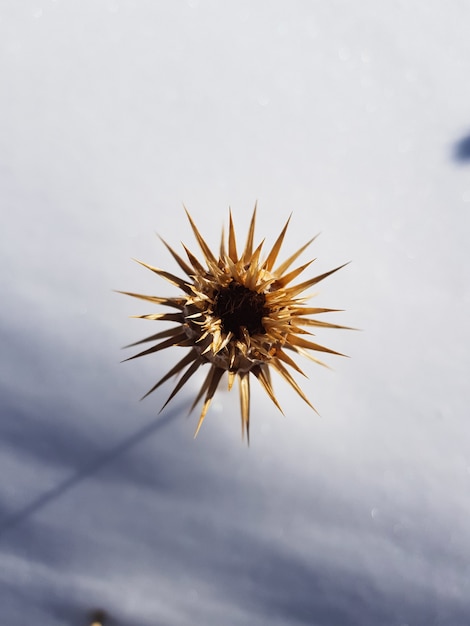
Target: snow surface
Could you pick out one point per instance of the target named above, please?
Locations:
(356, 117)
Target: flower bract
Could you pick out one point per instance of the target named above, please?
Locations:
(240, 313)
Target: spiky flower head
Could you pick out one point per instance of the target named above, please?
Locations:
(238, 313)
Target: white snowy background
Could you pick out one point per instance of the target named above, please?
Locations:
(355, 116)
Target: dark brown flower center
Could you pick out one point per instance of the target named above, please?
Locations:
(239, 307)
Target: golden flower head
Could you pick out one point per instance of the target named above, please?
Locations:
(238, 313)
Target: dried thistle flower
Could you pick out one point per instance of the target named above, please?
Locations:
(238, 315)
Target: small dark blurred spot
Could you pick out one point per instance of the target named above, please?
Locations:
(462, 150)
(98, 618)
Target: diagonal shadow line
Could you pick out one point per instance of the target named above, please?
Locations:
(105, 458)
